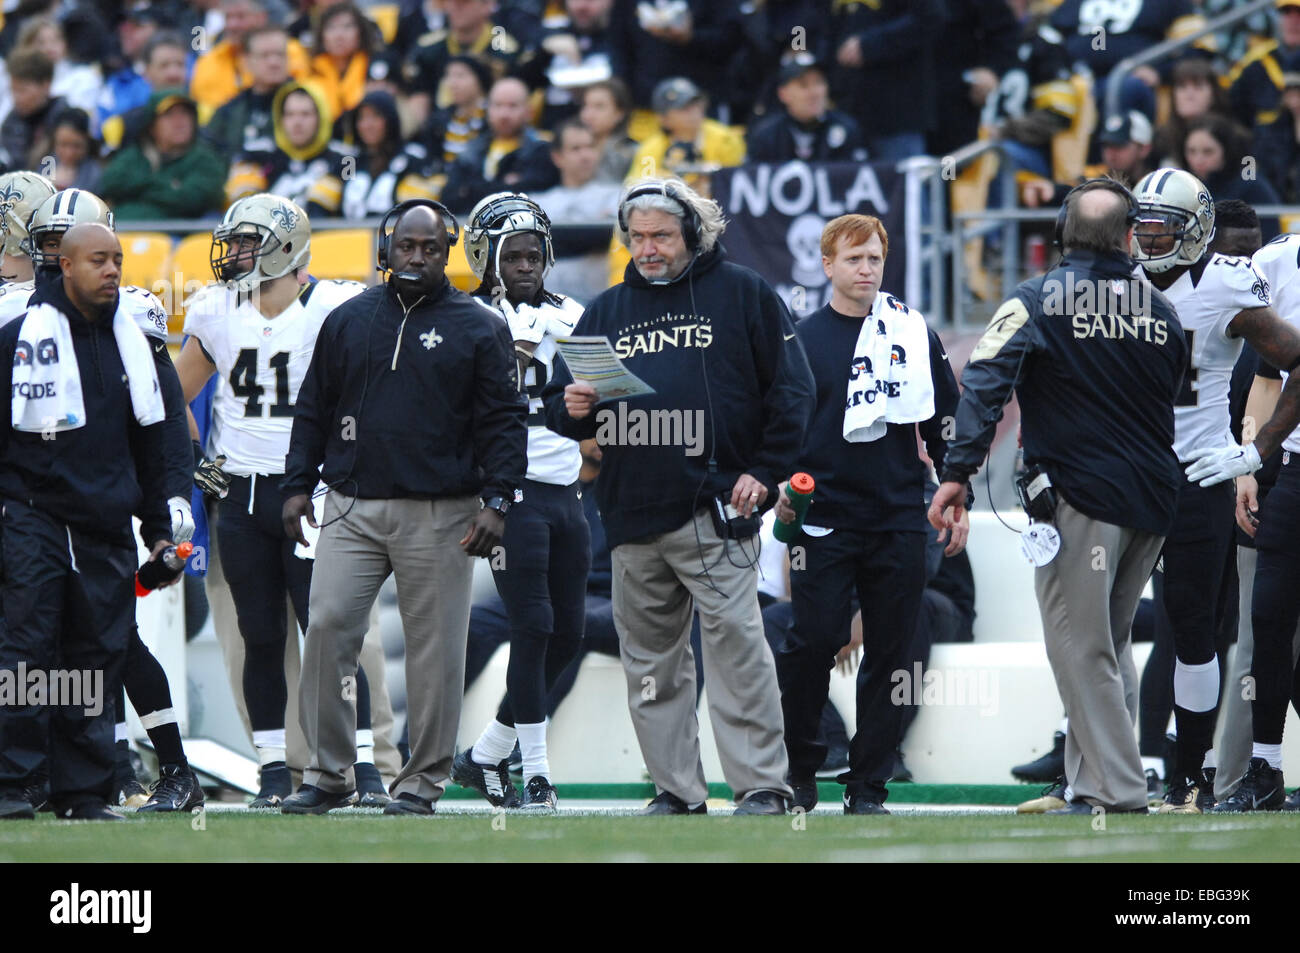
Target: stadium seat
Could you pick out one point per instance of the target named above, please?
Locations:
(191, 269)
(344, 254)
(145, 258)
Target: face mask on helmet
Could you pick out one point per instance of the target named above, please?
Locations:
(1158, 238)
(262, 237)
(495, 219)
(55, 216)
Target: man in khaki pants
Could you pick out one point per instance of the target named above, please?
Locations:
(411, 413)
(680, 506)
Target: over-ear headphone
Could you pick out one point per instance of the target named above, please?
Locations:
(395, 213)
(690, 219)
(1130, 217)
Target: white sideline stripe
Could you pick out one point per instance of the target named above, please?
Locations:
(598, 808)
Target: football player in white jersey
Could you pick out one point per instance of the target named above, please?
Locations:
(143, 678)
(1275, 596)
(542, 577)
(1220, 301)
(20, 194)
(256, 330)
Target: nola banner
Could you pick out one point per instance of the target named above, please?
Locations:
(776, 213)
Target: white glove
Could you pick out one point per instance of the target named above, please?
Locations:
(182, 519)
(1214, 465)
(525, 321)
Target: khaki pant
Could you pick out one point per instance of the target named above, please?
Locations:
(222, 606)
(657, 586)
(419, 542)
(1087, 596)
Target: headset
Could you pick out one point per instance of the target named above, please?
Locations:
(691, 227)
(1110, 185)
(395, 213)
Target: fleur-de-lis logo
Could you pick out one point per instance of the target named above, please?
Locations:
(285, 217)
(9, 197)
(430, 339)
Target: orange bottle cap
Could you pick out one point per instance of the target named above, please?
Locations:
(802, 483)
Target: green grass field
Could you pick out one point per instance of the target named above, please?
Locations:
(233, 836)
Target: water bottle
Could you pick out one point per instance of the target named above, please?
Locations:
(169, 564)
(799, 491)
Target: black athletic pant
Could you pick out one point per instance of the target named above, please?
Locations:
(1275, 603)
(259, 564)
(1195, 556)
(145, 681)
(542, 579)
(887, 569)
(69, 603)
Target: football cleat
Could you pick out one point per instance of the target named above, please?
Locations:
(1260, 790)
(276, 785)
(1182, 798)
(540, 796)
(1155, 788)
(177, 789)
(1052, 799)
(1292, 802)
(491, 781)
(15, 805)
(1205, 799)
(370, 786)
(130, 793)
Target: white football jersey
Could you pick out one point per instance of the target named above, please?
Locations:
(1207, 298)
(143, 307)
(1279, 263)
(551, 458)
(261, 363)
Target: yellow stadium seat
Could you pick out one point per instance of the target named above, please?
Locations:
(144, 258)
(1290, 223)
(190, 270)
(344, 254)
(458, 270)
(385, 16)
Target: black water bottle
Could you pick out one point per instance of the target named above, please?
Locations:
(169, 564)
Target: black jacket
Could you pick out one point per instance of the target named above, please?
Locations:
(468, 181)
(717, 345)
(96, 477)
(1096, 394)
(835, 137)
(880, 484)
(642, 60)
(410, 404)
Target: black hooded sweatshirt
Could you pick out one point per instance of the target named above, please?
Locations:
(718, 346)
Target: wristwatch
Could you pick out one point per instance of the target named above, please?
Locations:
(498, 503)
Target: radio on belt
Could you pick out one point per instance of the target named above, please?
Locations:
(1037, 497)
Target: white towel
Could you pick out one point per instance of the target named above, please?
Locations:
(889, 379)
(46, 394)
(312, 532)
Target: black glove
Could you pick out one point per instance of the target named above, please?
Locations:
(208, 475)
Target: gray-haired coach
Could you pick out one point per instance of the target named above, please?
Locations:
(1096, 361)
(733, 394)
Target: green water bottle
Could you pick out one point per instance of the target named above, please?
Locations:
(799, 490)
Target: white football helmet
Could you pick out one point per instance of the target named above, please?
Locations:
(495, 218)
(1180, 204)
(283, 241)
(20, 195)
(57, 214)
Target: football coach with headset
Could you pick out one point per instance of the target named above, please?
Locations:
(718, 347)
(412, 405)
(1097, 366)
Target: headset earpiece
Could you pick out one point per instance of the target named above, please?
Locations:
(691, 227)
(394, 215)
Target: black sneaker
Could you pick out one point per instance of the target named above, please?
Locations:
(540, 795)
(669, 804)
(276, 784)
(1052, 798)
(370, 786)
(38, 794)
(1292, 802)
(313, 800)
(805, 794)
(1205, 796)
(1260, 790)
(1047, 768)
(15, 805)
(87, 811)
(491, 781)
(407, 803)
(863, 804)
(177, 789)
(760, 803)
